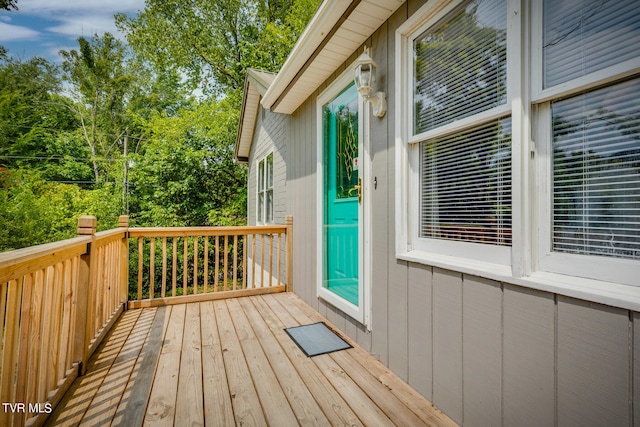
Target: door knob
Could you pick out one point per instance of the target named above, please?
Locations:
(357, 188)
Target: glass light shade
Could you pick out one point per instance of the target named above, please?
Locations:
(365, 78)
(365, 74)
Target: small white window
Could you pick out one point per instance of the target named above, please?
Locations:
(265, 190)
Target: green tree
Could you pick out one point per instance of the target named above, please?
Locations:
(34, 211)
(214, 41)
(9, 4)
(101, 85)
(185, 175)
(37, 126)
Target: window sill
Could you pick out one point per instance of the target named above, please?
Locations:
(616, 295)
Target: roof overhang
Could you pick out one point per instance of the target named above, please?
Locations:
(335, 32)
(256, 85)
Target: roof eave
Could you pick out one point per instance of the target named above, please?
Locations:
(327, 15)
(256, 84)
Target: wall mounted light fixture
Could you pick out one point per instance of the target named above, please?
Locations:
(365, 78)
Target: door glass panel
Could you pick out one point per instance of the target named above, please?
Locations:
(341, 173)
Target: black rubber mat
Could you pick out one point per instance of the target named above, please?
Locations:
(316, 339)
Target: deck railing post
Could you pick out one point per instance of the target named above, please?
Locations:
(289, 258)
(86, 227)
(123, 222)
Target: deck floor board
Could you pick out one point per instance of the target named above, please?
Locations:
(307, 410)
(161, 409)
(218, 410)
(333, 406)
(78, 399)
(229, 362)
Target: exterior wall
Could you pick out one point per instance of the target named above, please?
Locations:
(484, 352)
(270, 136)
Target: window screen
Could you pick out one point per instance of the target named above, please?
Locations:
(596, 172)
(581, 37)
(460, 66)
(269, 190)
(466, 186)
(261, 185)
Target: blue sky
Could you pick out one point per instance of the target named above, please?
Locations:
(44, 27)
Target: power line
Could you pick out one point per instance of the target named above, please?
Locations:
(139, 138)
(54, 158)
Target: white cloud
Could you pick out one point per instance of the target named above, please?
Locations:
(86, 25)
(49, 8)
(75, 18)
(47, 26)
(52, 50)
(10, 32)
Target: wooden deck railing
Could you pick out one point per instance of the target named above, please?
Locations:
(177, 265)
(59, 300)
(56, 303)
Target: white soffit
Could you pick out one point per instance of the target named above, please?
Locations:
(256, 84)
(337, 29)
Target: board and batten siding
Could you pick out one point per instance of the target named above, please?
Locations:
(484, 352)
(270, 136)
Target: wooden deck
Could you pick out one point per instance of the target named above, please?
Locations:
(229, 362)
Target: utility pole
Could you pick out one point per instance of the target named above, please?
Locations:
(125, 187)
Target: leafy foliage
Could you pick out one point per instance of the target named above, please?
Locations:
(9, 4)
(214, 41)
(118, 128)
(34, 211)
(186, 169)
(101, 84)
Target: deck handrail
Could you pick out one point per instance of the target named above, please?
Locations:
(59, 300)
(30, 279)
(181, 264)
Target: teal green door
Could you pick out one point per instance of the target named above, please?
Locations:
(341, 195)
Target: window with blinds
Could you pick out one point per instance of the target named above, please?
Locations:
(466, 186)
(460, 65)
(261, 188)
(269, 190)
(265, 190)
(596, 172)
(581, 37)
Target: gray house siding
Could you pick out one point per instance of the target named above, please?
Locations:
(484, 352)
(270, 136)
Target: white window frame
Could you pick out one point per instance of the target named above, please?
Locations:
(530, 266)
(408, 244)
(261, 211)
(589, 81)
(607, 269)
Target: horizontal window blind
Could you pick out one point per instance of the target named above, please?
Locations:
(596, 172)
(270, 171)
(466, 186)
(581, 37)
(460, 66)
(269, 191)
